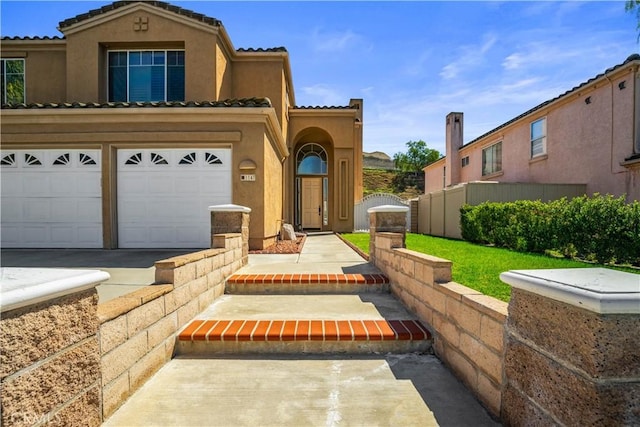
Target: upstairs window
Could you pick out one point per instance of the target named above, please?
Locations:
(149, 75)
(492, 159)
(538, 138)
(12, 81)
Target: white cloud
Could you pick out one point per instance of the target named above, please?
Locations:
(468, 57)
(336, 41)
(324, 94)
(513, 61)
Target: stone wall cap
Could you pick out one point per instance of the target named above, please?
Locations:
(229, 208)
(600, 290)
(21, 287)
(388, 208)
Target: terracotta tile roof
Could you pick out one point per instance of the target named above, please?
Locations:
(37, 38)
(229, 103)
(271, 49)
(160, 4)
(326, 107)
(634, 57)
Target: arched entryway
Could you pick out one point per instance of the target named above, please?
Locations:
(311, 187)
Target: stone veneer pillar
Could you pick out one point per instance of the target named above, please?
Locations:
(572, 348)
(386, 218)
(49, 352)
(230, 219)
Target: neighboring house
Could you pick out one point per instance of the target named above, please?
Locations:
(121, 134)
(588, 135)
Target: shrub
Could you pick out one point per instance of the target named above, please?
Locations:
(599, 228)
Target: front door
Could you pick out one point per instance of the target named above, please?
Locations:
(311, 203)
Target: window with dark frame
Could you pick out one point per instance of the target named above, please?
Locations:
(12, 81)
(492, 159)
(148, 75)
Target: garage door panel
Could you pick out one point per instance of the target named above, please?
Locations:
(187, 234)
(62, 234)
(36, 210)
(89, 234)
(36, 235)
(172, 199)
(48, 196)
(11, 209)
(134, 211)
(36, 184)
(10, 235)
(160, 184)
(62, 210)
(90, 210)
(11, 185)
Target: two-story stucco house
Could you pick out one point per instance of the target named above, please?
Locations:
(122, 132)
(588, 135)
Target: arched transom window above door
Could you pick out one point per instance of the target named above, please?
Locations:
(311, 160)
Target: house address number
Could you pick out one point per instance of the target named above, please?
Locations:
(251, 177)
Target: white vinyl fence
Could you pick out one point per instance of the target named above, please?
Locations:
(361, 217)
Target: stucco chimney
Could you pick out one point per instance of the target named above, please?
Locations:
(453, 144)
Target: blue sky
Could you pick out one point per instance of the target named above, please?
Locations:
(411, 62)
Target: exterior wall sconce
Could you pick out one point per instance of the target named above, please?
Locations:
(587, 100)
(622, 84)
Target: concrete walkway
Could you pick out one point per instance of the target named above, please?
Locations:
(321, 253)
(304, 389)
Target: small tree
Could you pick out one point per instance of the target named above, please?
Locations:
(633, 6)
(418, 155)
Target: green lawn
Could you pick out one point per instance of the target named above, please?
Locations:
(475, 266)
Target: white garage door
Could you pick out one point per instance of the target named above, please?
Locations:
(51, 199)
(164, 195)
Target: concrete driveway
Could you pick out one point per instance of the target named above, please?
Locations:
(129, 269)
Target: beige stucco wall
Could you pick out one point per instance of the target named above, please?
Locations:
(261, 75)
(263, 196)
(586, 142)
(87, 47)
(336, 132)
(247, 131)
(214, 71)
(224, 75)
(45, 65)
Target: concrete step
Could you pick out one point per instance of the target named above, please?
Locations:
(290, 324)
(306, 283)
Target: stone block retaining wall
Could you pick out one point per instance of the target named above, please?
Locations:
(468, 327)
(50, 362)
(138, 330)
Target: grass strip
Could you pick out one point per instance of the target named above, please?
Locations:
(475, 266)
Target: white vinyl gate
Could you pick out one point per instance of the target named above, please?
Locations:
(361, 217)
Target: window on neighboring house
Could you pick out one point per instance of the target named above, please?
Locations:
(538, 138)
(465, 161)
(12, 80)
(150, 75)
(492, 159)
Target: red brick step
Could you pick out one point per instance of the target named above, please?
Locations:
(310, 336)
(306, 283)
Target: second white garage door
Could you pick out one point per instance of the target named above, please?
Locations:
(164, 195)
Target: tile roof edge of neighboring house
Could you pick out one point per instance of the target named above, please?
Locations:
(229, 103)
(32, 38)
(631, 58)
(261, 49)
(325, 107)
(159, 4)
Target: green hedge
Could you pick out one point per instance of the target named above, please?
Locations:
(599, 228)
